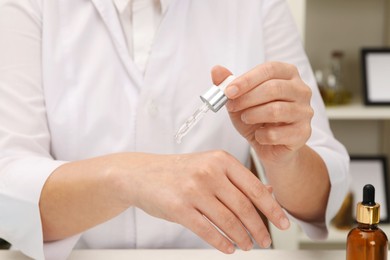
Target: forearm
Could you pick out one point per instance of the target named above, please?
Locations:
(182, 188)
(79, 195)
(301, 185)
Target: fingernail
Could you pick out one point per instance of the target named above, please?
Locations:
(267, 242)
(284, 223)
(231, 91)
(231, 249)
(243, 118)
(249, 247)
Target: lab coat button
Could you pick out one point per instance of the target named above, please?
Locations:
(152, 109)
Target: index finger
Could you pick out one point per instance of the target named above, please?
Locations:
(259, 75)
(258, 193)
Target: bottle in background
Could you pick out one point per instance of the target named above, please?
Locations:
(331, 85)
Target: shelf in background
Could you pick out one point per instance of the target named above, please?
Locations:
(336, 240)
(356, 110)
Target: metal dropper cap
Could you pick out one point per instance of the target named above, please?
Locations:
(215, 97)
(368, 212)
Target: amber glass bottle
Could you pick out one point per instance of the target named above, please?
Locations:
(367, 241)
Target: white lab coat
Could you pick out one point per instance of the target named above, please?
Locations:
(69, 91)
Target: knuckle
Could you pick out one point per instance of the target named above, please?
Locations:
(307, 130)
(272, 135)
(218, 158)
(292, 68)
(246, 117)
(307, 93)
(259, 136)
(257, 191)
(230, 222)
(276, 212)
(178, 207)
(210, 160)
(200, 184)
(277, 89)
(246, 208)
(220, 155)
(209, 171)
(207, 231)
(191, 186)
(276, 110)
(310, 112)
(245, 81)
(274, 88)
(269, 70)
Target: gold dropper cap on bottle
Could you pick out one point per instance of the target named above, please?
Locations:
(368, 212)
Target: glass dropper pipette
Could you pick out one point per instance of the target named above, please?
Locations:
(214, 99)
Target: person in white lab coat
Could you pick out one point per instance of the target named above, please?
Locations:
(92, 93)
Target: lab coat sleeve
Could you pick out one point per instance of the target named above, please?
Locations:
(283, 43)
(25, 160)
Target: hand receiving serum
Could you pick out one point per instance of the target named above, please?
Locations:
(214, 99)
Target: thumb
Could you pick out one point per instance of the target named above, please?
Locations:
(219, 74)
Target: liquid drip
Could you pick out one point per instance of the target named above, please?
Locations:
(191, 122)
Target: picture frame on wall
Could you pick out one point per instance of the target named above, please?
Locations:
(370, 170)
(376, 76)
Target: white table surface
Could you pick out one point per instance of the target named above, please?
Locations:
(190, 255)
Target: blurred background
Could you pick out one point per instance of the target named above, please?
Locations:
(334, 33)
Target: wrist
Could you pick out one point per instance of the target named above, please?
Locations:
(119, 179)
(277, 158)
